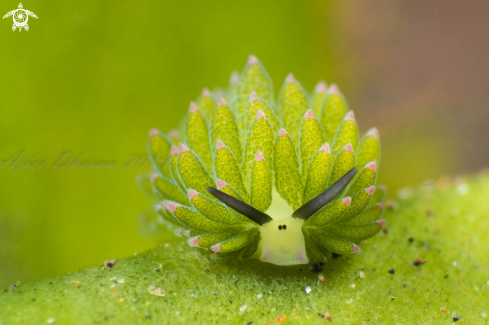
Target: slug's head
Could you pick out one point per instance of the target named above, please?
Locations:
(282, 240)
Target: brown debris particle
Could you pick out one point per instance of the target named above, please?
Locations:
(443, 309)
(327, 316)
(281, 319)
(77, 284)
(418, 262)
(110, 263)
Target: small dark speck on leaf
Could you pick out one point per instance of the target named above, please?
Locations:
(157, 269)
(336, 255)
(249, 323)
(392, 271)
(214, 293)
(206, 270)
(110, 263)
(13, 287)
(418, 262)
(316, 267)
(230, 302)
(385, 231)
(411, 239)
(446, 276)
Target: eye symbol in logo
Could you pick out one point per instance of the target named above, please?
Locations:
(20, 17)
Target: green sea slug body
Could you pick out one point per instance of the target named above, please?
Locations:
(285, 182)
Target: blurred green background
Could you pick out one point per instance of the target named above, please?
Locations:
(90, 78)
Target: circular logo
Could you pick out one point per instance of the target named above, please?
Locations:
(20, 17)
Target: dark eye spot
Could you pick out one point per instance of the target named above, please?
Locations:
(284, 227)
(280, 227)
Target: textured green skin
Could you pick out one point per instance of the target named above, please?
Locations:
(238, 241)
(174, 171)
(286, 166)
(368, 215)
(192, 173)
(260, 105)
(419, 292)
(318, 174)
(227, 169)
(207, 240)
(206, 104)
(293, 104)
(169, 190)
(317, 102)
(168, 216)
(378, 195)
(344, 162)
(358, 203)
(260, 138)
(253, 78)
(194, 220)
(354, 233)
(224, 128)
(347, 133)
(365, 178)
(261, 186)
(311, 138)
(159, 147)
(333, 111)
(215, 211)
(328, 215)
(336, 245)
(198, 137)
(252, 247)
(368, 150)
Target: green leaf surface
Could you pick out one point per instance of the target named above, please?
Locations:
(413, 295)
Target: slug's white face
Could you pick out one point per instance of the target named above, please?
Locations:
(282, 242)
